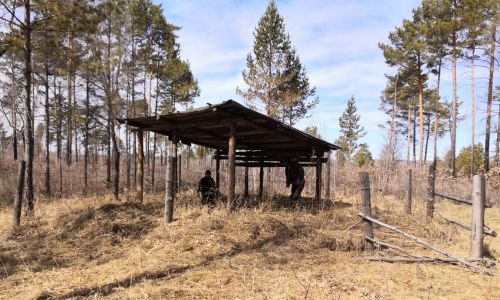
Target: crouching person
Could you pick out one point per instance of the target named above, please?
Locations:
(208, 189)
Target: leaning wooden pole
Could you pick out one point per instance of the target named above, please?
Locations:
(477, 225)
(170, 189)
(139, 185)
(425, 243)
(408, 192)
(431, 186)
(231, 167)
(364, 180)
(19, 196)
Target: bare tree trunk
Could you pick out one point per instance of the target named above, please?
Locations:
(86, 141)
(490, 98)
(473, 115)
(75, 127)
(14, 119)
(408, 141)
(47, 131)
(453, 106)
(414, 138)
(497, 146)
(428, 133)
(59, 120)
(436, 112)
(69, 116)
(421, 113)
(28, 129)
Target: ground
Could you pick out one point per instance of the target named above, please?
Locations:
(98, 247)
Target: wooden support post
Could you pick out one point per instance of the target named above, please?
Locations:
(140, 166)
(431, 181)
(217, 168)
(408, 192)
(317, 196)
(261, 181)
(170, 189)
(231, 167)
(477, 226)
(174, 155)
(246, 194)
(364, 180)
(327, 179)
(19, 196)
(179, 172)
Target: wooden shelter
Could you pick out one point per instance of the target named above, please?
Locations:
(241, 135)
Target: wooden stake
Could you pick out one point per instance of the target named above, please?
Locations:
(170, 189)
(477, 226)
(174, 155)
(217, 168)
(327, 179)
(231, 167)
(364, 179)
(179, 172)
(408, 192)
(431, 181)
(261, 181)
(317, 196)
(246, 194)
(140, 166)
(19, 196)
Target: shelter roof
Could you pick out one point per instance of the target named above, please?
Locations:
(258, 137)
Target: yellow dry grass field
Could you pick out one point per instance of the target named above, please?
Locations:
(98, 248)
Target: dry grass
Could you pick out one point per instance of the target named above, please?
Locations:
(79, 247)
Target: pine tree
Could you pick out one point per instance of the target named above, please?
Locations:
(363, 157)
(350, 129)
(274, 75)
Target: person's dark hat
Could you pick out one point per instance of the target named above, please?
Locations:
(207, 172)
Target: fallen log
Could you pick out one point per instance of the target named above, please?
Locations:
(456, 199)
(426, 244)
(426, 259)
(487, 230)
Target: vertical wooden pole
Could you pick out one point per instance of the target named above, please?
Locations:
(174, 155)
(170, 189)
(408, 192)
(317, 196)
(477, 226)
(217, 168)
(179, 173)
(431, 181)
(327, 179)
(364, 179)
(246, 194)
(140, 166)
(231, 167)
(19, 196)
(261, 181)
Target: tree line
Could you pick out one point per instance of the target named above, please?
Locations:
(72, 67)
(440, 34)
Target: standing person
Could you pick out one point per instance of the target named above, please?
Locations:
(295, 176)
(207, 188)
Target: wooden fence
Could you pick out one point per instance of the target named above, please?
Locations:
(477, 227)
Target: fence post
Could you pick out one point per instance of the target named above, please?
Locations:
(408, 192)
(170, 189)
(431, 182)
(364, 179)
(19, 196)
(477, 226)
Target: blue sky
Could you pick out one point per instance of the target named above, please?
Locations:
(337, 43)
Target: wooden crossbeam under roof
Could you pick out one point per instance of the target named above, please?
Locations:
(260, 138)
